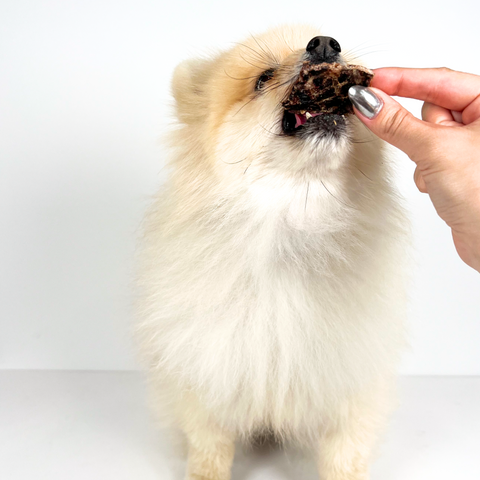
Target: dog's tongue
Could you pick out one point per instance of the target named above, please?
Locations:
(302, 118)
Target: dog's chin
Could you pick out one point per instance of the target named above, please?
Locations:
(322, 140)
(315, 150)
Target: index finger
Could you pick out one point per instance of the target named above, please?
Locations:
(441, 86)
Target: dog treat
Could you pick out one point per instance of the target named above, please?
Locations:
(324, 87)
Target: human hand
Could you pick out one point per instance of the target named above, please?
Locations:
(445, 146)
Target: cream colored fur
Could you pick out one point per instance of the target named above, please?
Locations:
(271, 279)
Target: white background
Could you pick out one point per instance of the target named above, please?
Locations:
(84, 99)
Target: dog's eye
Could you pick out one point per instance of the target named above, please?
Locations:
(264, 78)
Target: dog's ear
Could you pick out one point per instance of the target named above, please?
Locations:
(189, 90)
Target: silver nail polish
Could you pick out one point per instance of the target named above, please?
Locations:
(365, 101)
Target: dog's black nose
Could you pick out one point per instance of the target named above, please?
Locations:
(323, 49)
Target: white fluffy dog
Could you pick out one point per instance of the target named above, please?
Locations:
(272, 286)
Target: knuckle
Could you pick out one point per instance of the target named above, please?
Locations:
(419, 181)
(444, 69)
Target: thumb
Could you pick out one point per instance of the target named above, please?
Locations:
(387, 119)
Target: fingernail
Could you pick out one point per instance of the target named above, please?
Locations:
(365, 101)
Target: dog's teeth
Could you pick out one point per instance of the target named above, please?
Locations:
(308, 115)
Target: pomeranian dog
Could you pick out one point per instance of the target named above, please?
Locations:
(272, 277)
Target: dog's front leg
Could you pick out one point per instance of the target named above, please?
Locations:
(346, 445)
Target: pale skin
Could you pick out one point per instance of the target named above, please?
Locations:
(445, 144)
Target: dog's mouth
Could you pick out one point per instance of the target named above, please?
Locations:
(310, 122)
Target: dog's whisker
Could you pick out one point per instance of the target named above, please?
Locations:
(272, 133)
(306, 196)
(244, 105)
(233, 163)
(337, 199)
(260, 67)
(241, 78)
(363, 173)
(263, 59)
(287, 44)
(364, 46)
(245, 171)
(270, 54)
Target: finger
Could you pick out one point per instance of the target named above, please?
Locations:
(419, 181)
(434, 114)
(391, 122)
(444, 87)
(457, 116)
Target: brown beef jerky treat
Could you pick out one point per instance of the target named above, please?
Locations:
(324, 87)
